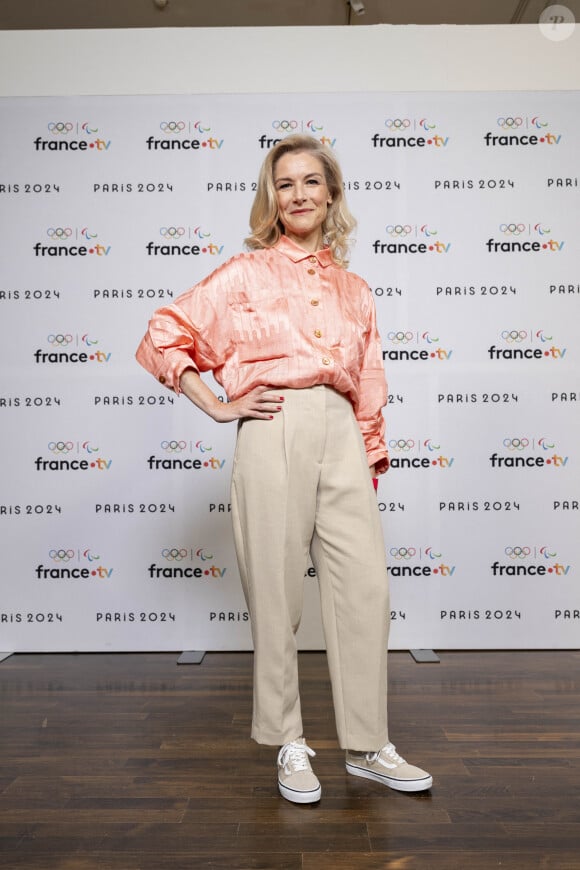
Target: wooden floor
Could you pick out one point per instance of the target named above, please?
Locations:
(130, 762)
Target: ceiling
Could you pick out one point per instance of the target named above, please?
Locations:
(65, 14)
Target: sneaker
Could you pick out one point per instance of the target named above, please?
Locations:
(296, 781)
(388, 767)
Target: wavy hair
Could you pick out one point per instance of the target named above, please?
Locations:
(265, 225)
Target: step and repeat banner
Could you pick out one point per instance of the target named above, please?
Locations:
(114, 506)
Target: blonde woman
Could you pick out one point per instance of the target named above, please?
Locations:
(291, 336)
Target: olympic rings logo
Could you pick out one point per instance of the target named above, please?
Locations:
(59, 232)
(401, 444)
(172, 126)
(59, 340)
(61, 555)
(402, 552)
(173, 554)
(173, 446)
(285, 126)
(517, 552)
(509, 123)
(397, 123)
(60, 127)
(398, 230)
(511, 335)
(516, 443)
(400, 337)
(512, 229)
(172, 232)
(60, 446)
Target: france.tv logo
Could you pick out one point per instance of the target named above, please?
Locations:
(411, 239)
(183, 563)
(410, 133)
(414, 453)
(73, 456)
(410, 345)
(418, 562)
(181, 135)
(521, 130)
(524, 344)
(521, 451)
(66, 241)
(68, 348)
(178, 457)
(72, 136)
(525, 238)
(529, 561)
(188, 241)
(73, 564)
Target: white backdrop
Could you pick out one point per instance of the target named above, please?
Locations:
(114, 509)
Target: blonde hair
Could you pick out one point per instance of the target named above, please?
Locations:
(266, 227)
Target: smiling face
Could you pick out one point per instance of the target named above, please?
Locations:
(303, 198)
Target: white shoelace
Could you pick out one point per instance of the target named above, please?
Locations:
(293, 757)
(391, 753)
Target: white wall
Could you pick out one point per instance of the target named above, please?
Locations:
(315, 59)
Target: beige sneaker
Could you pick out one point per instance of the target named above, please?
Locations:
(388, 767)
(296, 781)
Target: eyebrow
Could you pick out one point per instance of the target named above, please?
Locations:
(308, 175)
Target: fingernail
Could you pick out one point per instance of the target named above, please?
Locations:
(278, 407)
(271, 416)
(281, 398)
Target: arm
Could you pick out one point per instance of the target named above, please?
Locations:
(373, 396)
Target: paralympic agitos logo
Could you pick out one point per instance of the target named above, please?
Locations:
(72, 136)
(184, 241)
(414, 453)
(524, 561)
(517, 130)
(418, 562)
(184, 135)
(182, 563)
(68, 348)
(409, 345)
(65, 241)
(69, 563)
(178, 455)
(410, 133)
(411, 239)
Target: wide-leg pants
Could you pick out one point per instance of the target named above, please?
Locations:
(301, 485)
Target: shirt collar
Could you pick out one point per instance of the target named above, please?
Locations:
(295, 253)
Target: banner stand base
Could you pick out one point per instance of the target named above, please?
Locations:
(191, 657)
(424, 655)
(5, 655)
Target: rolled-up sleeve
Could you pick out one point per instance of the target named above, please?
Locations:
(184, 335)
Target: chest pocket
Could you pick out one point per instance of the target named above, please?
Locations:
(261, 324)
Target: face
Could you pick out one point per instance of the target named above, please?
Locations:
(303, 197)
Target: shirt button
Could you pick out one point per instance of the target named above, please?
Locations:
(314, 301)
(312, 271)
(318, 333)
(312, 259)
(325, 361)
(162, 379)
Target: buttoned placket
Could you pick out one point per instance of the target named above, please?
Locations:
(312, 270)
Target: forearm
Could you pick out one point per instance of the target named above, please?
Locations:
(199, 393)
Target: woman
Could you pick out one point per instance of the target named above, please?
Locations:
(291, 336)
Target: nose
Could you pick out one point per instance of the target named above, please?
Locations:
(300, 193)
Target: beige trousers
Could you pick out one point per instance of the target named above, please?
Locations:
(301, 485)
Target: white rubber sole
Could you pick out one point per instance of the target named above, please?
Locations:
(299, 797)
(396, 784)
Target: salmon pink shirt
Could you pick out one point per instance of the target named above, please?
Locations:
(277, 317)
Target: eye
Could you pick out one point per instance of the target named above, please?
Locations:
(284, 185)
